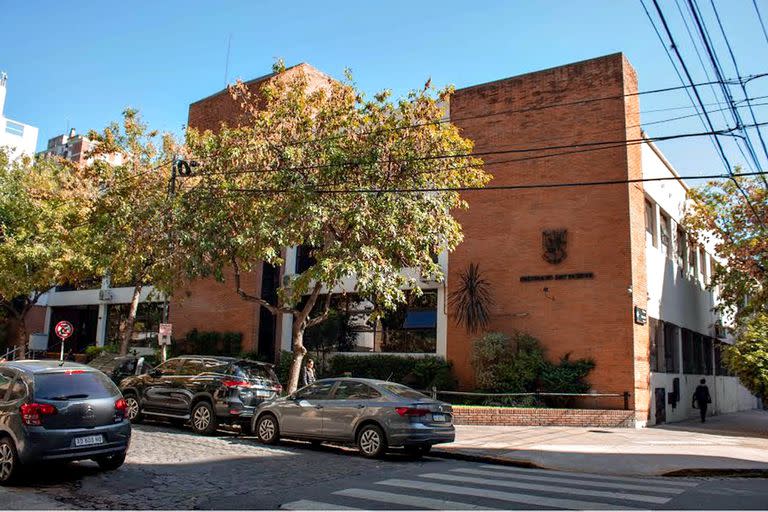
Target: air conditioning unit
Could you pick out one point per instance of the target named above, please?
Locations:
(105, 295)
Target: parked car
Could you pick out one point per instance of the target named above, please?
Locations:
(117, 367)
(204, 390)
(59, 411)
(372, 414)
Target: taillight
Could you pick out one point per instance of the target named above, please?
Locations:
(121, 406)
(235, 383)
(278, 388)
(31, 413)
(73, 372)
(411, 411)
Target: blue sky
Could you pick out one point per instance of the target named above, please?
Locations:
(79, 64)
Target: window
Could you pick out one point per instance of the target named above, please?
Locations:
(698, 354)
(170, 367)
(304, 258)
(689, 366)
(350, 390)
(703, 264)
(18, 390)
(192, 367)
(671, 355)
(664, 229)
(316, 391)
(60, 385)
(656, 335)
(706, 349)
(14, 128)
(411, 327)
(693, 264)
(720, 367)
(403, 391)
(680, 247)
(650, 221)
(5, 384)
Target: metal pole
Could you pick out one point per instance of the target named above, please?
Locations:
(61, 357)
(165, 356)
(171, 193)
(626, 400)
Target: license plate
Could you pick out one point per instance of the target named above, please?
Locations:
(89, 440)
(439, 417)
(264, 393)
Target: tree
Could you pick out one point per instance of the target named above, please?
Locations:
(43, 212)
(719, 210)
(748, 357)
(317, 165)
(131, 217)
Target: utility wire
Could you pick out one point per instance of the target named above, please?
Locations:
(481, 188)
(760, 17)
(743, 89)
(706, 115)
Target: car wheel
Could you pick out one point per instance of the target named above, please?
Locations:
(371, 441)
(133, 410)
(267, 429)
(9, 461)
(204, 420)
(110, 462)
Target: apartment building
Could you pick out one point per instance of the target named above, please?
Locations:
(15, 136)
(604, 271)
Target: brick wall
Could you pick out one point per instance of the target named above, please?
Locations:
(503, 228)
(497, 416)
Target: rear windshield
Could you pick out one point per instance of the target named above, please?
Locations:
(403, 391)
(72, 385)
(254, 371)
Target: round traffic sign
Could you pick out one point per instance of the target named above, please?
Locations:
(64, 329)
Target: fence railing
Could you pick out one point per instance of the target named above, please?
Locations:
(435, 393)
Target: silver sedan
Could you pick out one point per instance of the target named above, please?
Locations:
(372, 414)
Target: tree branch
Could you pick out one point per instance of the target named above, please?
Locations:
(322, 317)
(252, 298)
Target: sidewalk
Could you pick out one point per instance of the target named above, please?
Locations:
(735, 442)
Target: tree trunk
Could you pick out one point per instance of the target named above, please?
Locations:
(125, 341)
(299, 351)
(21, 337)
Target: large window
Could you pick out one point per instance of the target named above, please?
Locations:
(697, 353)
(350, 327)
(666, 237)
(680, 247)
(148, 318)
(671, 351)
(650, 221)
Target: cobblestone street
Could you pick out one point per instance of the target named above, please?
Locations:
(171, 467)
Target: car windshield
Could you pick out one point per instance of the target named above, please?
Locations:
(403, 391)
(254, 371)
(73, 384)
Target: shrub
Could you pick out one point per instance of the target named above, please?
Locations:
(566, 377)
(417, 372)
(507, 365)
(213, 342)
(93, 352)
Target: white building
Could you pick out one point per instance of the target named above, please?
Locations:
(20, 138)
(686, 332)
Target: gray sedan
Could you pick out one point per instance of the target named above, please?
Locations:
(372, 414)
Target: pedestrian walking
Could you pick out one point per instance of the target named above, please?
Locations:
(308, 376)
(702, 399)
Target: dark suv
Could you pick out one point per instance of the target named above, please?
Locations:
(59, 411)
(204, 390)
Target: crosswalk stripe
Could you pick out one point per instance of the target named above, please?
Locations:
(588, 476)
(528, 499)
(411, 501)
(548, 488)
(313, 505)
(572, 481)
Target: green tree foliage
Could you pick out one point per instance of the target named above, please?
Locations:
(132, 216)
(43, 222)
(518, 365)
(284, 177)
(748, 357)
(719, 210)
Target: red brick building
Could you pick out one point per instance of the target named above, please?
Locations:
(543, 127)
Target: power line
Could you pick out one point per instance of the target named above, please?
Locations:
(481, 188)
(760, 17)
(593, 144)
(704, 111)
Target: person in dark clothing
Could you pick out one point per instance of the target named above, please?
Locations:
(701, 399)
(308, 375)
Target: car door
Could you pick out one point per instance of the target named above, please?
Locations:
(7, 411)
(159, 386)
(347, 404)
(182, 383)
(302, 414)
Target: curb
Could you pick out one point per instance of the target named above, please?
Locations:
(678, 473)
(487, 459)
(731, 473)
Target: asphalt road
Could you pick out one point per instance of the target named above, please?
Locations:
(170, 468)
